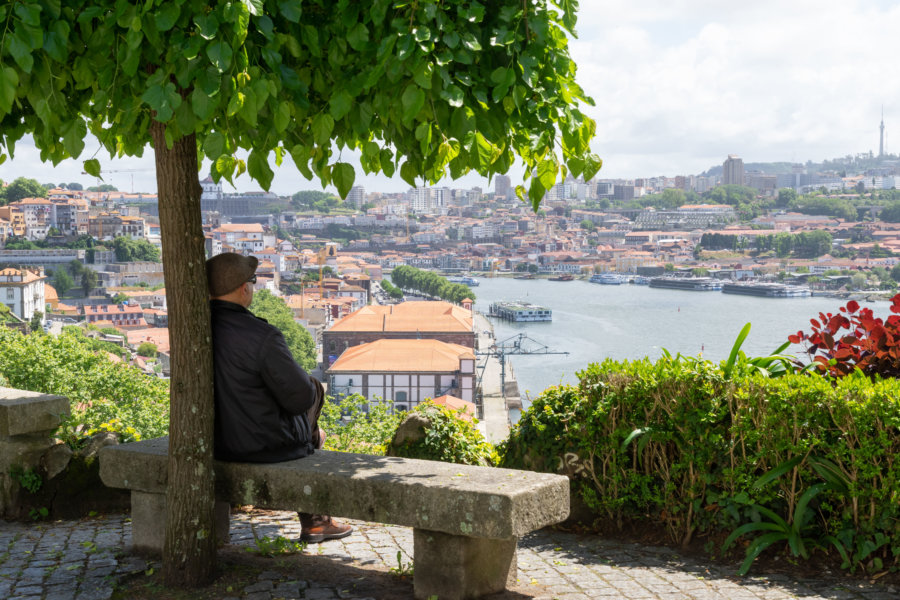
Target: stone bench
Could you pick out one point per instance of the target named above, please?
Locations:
(466, 520)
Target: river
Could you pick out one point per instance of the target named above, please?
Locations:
(593, 322)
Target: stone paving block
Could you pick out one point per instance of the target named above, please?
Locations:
(29, 590)
(260, 586)
(320, 594)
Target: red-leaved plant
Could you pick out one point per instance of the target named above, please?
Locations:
(870, 344)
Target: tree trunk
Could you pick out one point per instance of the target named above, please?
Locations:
(189, 553)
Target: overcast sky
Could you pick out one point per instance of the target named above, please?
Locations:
(679, 85)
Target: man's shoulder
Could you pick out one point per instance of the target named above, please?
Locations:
(240, 316)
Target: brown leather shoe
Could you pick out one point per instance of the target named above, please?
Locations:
(318, 528)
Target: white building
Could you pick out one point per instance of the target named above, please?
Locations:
(22, 291)
(357, 196)
(404, 372)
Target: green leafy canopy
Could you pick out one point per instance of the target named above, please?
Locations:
(432, 87)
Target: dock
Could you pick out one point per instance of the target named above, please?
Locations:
(494, 424)
(520, 312)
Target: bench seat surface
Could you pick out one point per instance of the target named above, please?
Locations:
(455, 499)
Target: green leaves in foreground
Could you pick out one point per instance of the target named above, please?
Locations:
(430, 89)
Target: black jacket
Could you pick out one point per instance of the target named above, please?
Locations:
(262, 395)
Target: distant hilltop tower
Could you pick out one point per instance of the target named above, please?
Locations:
(881, 141)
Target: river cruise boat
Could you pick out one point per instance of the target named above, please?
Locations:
(465, 280)
(768, 290)
(607, 279)
(692, 284)
(520, 312)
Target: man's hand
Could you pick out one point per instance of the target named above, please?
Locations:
(322, 437)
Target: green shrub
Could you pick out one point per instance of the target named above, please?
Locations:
(353, 426)
(448, 438)
(675, 443)
(103, 394)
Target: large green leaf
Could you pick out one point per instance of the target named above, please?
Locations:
(214, 145)
(412, 101)
(9, 81)
(322, 126)
(340, 104)
(258, 166)
(342, 176)
(167, 15)
(220, 54)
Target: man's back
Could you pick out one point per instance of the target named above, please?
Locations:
(262, 395)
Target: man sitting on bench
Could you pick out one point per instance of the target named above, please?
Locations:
(267, 406)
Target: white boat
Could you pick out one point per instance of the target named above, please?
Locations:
(607, 279)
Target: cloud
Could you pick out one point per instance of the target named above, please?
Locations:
(679, 85)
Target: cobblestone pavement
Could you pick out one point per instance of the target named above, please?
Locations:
(84, 560)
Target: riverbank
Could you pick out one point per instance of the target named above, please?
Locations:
(496, 400)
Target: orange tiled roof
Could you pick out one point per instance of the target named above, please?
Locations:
(457, 404)
(402, 356)
(408, 316)
(155, 335)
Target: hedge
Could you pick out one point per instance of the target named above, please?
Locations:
(677, 444)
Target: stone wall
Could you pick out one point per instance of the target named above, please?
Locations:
(27, 423)
(64, 483)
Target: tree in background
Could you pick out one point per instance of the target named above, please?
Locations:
(103, 188)
(131, 250)
(62, 281)
(37, 320)
(88, 280)
(21, 188)
(276, 312)
(119, 298)
(147, 350)
(424, 89)
(786, 197)
(74, 186)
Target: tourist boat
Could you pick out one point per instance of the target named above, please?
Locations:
(465, 280)
(563, 277)
(767, 289)
(693, 284)
(607, 279)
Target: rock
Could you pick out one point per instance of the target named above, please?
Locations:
(98, 441)
(55, 459)
(410, 431)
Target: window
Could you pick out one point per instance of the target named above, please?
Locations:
(10, 293)
(400, 397)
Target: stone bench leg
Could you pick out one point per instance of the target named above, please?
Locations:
(456, 567)
(148, 522)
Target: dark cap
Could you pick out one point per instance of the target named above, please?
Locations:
(228, 271)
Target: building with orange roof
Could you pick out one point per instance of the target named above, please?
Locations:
(22, 291)
(404, 372)
(465, 410)
(51, 298)
(407, 320)
(121, 315)
(158, 336)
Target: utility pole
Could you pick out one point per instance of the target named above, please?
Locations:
(520, 344)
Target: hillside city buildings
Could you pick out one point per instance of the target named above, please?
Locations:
(405, 352)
